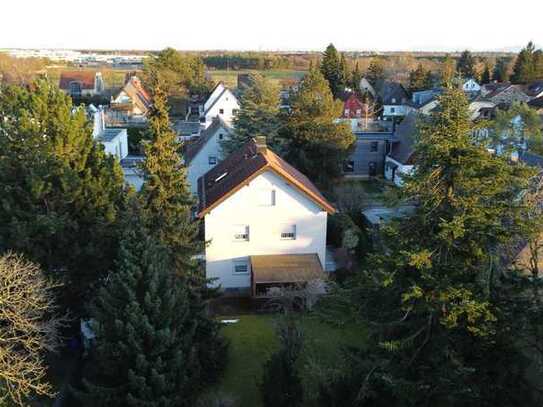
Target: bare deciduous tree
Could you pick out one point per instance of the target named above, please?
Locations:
(28, 329)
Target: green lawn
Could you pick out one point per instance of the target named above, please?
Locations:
(277, 76)
(253, 340)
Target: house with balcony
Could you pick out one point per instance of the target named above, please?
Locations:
(265, 223)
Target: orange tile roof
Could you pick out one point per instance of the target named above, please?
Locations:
(86, 78)
(242, 166)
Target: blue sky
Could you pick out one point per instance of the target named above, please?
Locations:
(385, 25)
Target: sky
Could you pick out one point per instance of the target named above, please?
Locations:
(378, 25)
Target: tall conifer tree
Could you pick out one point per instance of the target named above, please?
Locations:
(332, 70)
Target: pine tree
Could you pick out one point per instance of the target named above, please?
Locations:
(486, 76)
(376, 70)
(538, 65)
(60, 193)
(332, 70)
(345, 74)
(466, 65)
(144, 352)
(356, 77)
(281, 383)
(420, 79)
(432, 305)
(500, 73)
(259, 115)
(167, 210)
(524, 67)
(448, 71)
(165, 194)
(315, 143)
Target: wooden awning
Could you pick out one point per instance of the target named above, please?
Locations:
(286, 268)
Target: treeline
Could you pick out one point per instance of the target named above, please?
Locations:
(249, 60)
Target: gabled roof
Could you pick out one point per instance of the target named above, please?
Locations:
(85, 78)
(242, 166)
(535, 89)
(192, 149)
(402, 151)
(135, 91)
(537, 103)
(391, 93)
(531, 159)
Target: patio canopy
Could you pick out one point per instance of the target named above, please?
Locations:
(285, 268)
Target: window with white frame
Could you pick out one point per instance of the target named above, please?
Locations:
(266, 197)
(288, 231)
(240, 267)
(240, 233)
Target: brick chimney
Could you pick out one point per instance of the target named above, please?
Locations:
(261, 145)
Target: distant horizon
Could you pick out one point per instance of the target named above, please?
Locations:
(281, 26)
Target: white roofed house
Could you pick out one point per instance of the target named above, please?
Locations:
(220, 103)
(204, 152)
(114, 140)
(471, 86)
(265, 223)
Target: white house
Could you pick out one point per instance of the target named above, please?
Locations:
(81, 83)
(471, 86)
(114, 140)
(399, 162)
(132, 103)
(205, 151)
(265, 223)
(220, 103)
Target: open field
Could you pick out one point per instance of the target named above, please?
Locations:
(253, 340)
(276, 76)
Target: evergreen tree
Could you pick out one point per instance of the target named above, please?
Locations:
(315, 143)
(332, 70)
(538, 64)
(356, 77)
(167, 210)
(345, 74)
(144, 353)
(436, 321)
(259, 115)
(420, 79)
(281, 383)
(524, 67)
(500, 73)
(486, 75)
(376, 71)
(448, 71)
(466, 65)
(59, 192)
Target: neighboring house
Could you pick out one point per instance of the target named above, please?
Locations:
(187, 130)
(265, 223)
(399, 161)
(132, 102)
(220, 103)
(81, 83)
(537, 105)
(481, 109)
(471, 86)
(368, 158)
(394, 98)
(504, 94)
(133, 175)
(205, 152)
(114, 140)
(423, 97)
(535, 89)
(353, 108)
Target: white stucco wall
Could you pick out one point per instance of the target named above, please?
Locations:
(118, 146)
(228, 103)
(400, 170)
(200, 163)
(396, 110)
(243, 208)
(214, 95)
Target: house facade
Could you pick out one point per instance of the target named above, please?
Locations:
(81, 83)
(471, 86)
(399, 161)
(132, 103)
(220, 103)
(205, 152)
(114, 140)
(368, 158)
(265, 222)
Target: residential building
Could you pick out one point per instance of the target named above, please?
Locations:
(399, 162)
(535, 89)
(367, 87)
(133, 174)
(81, 83)
(471, 86)
(368, 158)
(204, 152)
(504, 94)
(114, 140)
(265, 223)
(353, 108)
(132, 102)
(394, 98)
(220, 103)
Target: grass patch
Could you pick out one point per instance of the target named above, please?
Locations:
(230, 78)
(253, 340)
